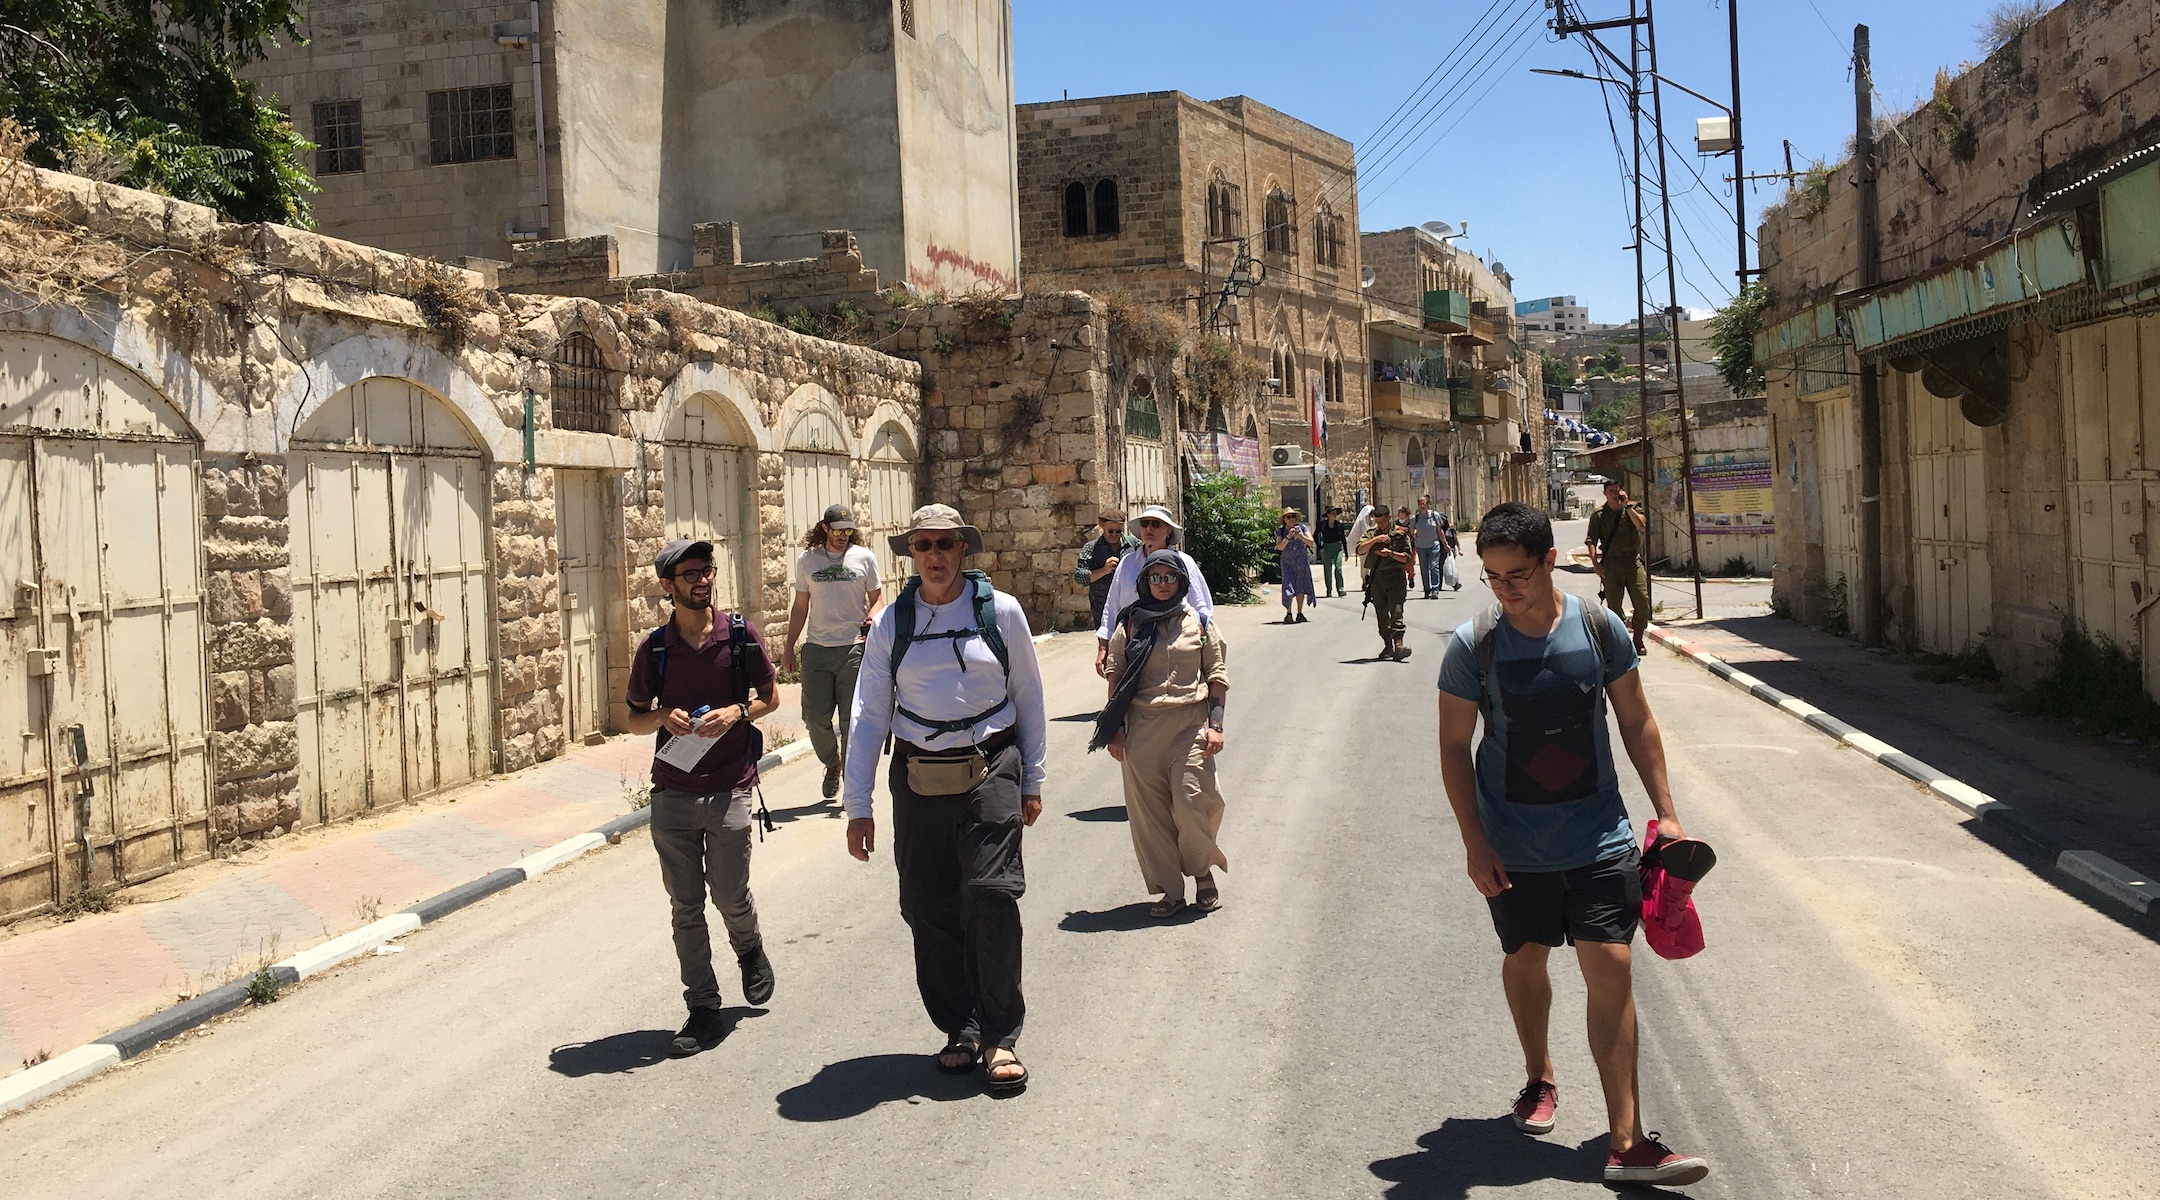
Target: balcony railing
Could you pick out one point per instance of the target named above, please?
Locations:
(1410, 401)
(1478, 330)
(1423, 374)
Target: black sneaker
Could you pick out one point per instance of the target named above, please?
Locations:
(704, 1030)
(832, 779)
(757, 976)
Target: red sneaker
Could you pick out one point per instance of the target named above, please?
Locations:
(1534, 1108)
(1652, 1161)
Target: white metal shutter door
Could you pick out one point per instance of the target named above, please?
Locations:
(705, 499)
(582, 541)
(1837, 451)
(1145, 473)
(28, 876)
(1951, 580)
(814, 481)
(892, 502)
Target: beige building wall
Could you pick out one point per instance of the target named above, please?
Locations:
(608, 82)
(958, 171)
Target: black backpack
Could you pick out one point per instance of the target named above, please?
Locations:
(740, 644)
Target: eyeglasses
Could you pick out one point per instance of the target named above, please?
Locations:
(694, 574)
(1512, 579)
(1150, 523)
(1162, 577)
(943, 545)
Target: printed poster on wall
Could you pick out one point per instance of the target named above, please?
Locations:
(1732, 495)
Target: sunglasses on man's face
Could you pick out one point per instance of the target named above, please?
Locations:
(1161, 577)
(943, 545)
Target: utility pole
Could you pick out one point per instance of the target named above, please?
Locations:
(1676, 362)
(1866, 593)
(1739, 144)
(1642, 314)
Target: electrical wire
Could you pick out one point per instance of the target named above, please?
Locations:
(1426, 147)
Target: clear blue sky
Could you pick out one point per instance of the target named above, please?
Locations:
(1531, 167)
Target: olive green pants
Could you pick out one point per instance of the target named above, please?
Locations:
(1632, 580)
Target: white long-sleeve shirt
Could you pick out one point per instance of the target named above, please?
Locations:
(934, 684)
(1125, 588)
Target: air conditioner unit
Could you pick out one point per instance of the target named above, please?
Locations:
(1287, 456)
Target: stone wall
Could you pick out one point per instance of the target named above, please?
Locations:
(247, 593)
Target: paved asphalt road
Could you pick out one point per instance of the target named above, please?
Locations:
(1888, 1006)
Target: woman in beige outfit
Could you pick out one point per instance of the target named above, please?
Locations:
(1168, 672)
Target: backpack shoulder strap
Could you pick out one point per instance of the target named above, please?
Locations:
(986, 620)
(656, 660)
(1483, 627)
(903, 620)
(1599, 628)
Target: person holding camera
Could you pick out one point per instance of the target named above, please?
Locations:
(1616, 553)
(950, 674)
(708, 677)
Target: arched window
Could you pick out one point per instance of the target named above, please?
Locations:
(1327, 238)
(1076, 198)
(1223, 208)
(1106, 206)
(1142, 420)
(1281, 222)
(1331, 380)
(582, 393)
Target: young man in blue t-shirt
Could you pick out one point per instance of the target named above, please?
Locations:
(1542, 822)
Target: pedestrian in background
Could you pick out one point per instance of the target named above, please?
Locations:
(836, 592)
(1158, 530)
(705, 675)
(1358, 531)
(1100, 557)
(1616, 553)
(1402, 525)
(1334, 545)
(1425, 536)
(1545, 833)
(1387, 553)
(965, 713)
(1169, 672)
(1450, 551)
(1294, 542)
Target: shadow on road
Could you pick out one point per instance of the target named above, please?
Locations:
(622, 1053)
(1489, 1152)
(1108, 812)
(851, 1088)
(819, 808)
(1126, 917)
(1086, 716)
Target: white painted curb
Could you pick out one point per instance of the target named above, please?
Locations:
(793, 750)
(2109, 876)
(351, 945)
(1965, 796)
(558, 854)
(32, 1085)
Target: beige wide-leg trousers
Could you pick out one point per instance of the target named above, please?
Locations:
(1171, 804)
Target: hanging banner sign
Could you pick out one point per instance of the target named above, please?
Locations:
(1733, 496)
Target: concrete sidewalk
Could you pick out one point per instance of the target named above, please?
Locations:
(65, 983)
(2092, 793)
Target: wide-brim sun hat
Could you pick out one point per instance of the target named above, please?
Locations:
(1159, 513)
(936, 517)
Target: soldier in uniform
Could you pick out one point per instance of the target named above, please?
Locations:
(1616, 543)
(1387, 552)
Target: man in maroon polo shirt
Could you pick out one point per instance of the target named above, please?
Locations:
(701, 811)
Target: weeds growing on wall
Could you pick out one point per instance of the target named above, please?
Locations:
(1142, 330)
(91, 898)
(1223, 376)
(1230, 533)
(1814, 191)
(1837, 613)
(2095, 684)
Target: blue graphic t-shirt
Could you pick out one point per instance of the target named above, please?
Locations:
(1550, 798)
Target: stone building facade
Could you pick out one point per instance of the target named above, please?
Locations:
(2010, 340)
(1160, 196)
(357, 528)
(463, 129)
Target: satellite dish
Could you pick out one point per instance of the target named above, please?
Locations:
(1499, 268)
(1366, 280)
(1441, 228)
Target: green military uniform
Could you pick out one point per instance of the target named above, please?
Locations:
(1387, 585)
(1620, 565)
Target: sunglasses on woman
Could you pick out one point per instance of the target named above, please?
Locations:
(1162, 577)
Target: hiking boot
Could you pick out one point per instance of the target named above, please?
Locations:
(1535, 1106)
(832, 779)
(1387, 652)
(1402, 652)
(704, 1030)
(757, 976)
(1652, 1161)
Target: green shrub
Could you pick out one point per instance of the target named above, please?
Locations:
(1230, 533)
(1974, 664)
(2097, 685)
(1837, 615)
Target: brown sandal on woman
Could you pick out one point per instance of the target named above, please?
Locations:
(1165, 908)
(1206, 896)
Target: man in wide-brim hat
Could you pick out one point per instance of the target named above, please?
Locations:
(949, 671)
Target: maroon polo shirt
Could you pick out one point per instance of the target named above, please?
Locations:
(705, 675)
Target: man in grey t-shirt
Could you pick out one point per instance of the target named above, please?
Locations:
(836, 591)
(1426, 533)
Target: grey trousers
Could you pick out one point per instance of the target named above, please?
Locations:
(828, 687)
(704, 846)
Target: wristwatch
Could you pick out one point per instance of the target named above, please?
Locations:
(743, 711)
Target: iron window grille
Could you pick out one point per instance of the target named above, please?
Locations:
(337, 138)
(1224, 216)
(470, 125)
(907, 17)
(1141, 418)
(582, 391)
